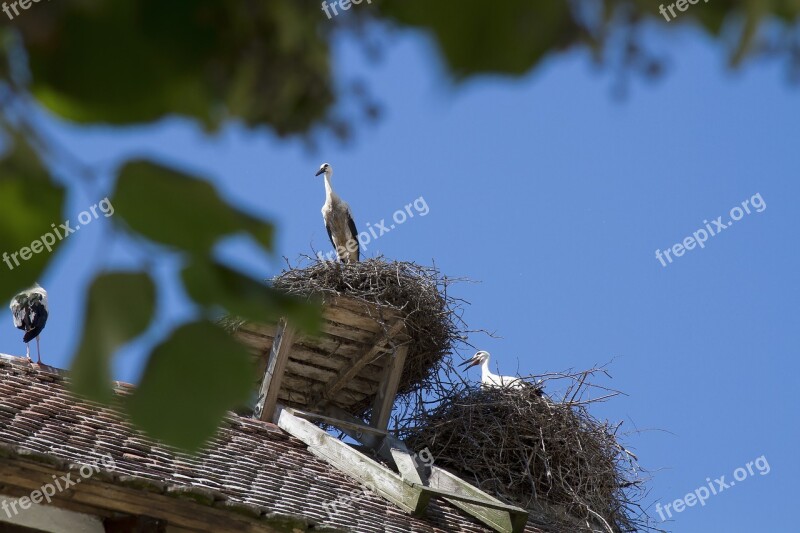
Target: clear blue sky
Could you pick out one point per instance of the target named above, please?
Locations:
(555, 196)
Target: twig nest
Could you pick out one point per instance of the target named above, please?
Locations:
(418, 293)
(531, 451)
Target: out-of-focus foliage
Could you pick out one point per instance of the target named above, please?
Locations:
(131, 61)
(263, 63)
(28, 203)
(120, 307)
(189, 382)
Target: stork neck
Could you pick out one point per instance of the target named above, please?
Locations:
(328, 186)
(485, 369)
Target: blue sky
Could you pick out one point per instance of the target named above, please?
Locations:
(555, 196)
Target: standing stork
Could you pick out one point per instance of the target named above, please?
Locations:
(339, 221)
(489, 380)
(30, 315)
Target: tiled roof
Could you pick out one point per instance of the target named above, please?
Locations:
(249, 462)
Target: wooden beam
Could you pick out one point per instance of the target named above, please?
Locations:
(488, 509)
(448, 495)
(387, 390)
(39, 517)
(276, 367)
(336, 422)
(409, 469)
(349, 372)
(355, 464)
(106, 497)
(370, 440)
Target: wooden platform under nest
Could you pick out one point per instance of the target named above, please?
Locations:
(355, 363)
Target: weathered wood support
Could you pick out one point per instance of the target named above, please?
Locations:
(276, 367)
(387, 391)
(472, 500)
(358, 363)
(355, 426)
(372, 474)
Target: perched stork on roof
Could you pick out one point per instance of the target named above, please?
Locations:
(339, 220)
(488, 379)
(30, 315)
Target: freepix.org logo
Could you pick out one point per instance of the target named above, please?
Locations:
(48, 240)
(59, 484)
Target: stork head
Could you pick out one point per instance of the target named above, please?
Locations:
(479, 358)
(326, 169)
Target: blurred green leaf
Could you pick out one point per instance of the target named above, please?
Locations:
(269, 63)
(133, 61)
(120, 307)
(172, 208)
(29, 205)
(190, 382)
(510, 37)
(211, 284)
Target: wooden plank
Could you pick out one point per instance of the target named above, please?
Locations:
(487, 509)
(369, 440)
(409, 470)
(276, 366)
(371, 473)
(509, 519)
(300, 385)
(387, 390)
(104, 496)
(358, 363)
(372, 311)
(480, 502)
(341, 331)
(351, 318)
(338, 360)
(293, 397)
(336, 422)
(304, 377)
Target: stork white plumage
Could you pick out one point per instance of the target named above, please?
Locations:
(339, 221)
(488, 379)
(29, 309)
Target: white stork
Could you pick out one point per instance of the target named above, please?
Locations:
(339, 220)
(489, 380)
(30, 315)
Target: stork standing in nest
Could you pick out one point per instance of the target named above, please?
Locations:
(488, 379)
(339, 221)
(29, 309)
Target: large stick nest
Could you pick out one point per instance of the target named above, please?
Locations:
(432, 317)
(551, 457)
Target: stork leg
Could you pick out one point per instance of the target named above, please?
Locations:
(28, 351)
(38, 353)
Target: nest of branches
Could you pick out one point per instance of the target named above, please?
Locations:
(551, 457)
(432, 317)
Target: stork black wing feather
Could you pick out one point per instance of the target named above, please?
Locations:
(37, 318)
(330, 235)
(354, 233)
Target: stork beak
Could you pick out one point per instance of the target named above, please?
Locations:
(469, 363)
(320, 171)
